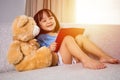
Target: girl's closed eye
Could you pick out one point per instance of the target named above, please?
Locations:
(51, 18)
(43, 20)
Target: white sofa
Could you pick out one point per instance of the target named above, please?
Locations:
(105, 36)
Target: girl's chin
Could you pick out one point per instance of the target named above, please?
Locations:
(50, 29)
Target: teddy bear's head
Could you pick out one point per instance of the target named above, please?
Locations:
(24, 28)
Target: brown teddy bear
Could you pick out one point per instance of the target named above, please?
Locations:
(24, 52)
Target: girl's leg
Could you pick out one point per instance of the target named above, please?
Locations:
(89, 46)
(69, 48)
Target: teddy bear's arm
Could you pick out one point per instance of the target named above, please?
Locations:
(34, 42)
(14, 53)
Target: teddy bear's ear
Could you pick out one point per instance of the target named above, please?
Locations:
(22, 20)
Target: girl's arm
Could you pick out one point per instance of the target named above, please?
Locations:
(52, 47)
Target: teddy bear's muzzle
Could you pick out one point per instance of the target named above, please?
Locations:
(36, 30)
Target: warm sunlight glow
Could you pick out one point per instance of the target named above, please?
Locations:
(98, 11)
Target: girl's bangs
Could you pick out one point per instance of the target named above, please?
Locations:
(41, 15)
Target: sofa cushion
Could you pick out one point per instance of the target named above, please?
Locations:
(5, 39)
(67, 72)
(106, 37)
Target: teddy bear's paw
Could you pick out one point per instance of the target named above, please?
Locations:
(34, 42)
(14, 58)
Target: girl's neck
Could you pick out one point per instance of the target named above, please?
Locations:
(52, 33)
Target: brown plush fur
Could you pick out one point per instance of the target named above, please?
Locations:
(24, 52)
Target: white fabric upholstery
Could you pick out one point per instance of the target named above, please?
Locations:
(66, 72)
(5, 39)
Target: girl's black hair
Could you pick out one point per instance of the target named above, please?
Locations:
(39, 15)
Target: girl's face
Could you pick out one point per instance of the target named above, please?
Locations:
(47, 23)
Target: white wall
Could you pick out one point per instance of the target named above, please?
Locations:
(9, 9)
(98, 11)
(90, 11)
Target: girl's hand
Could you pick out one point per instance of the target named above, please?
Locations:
(53, 46)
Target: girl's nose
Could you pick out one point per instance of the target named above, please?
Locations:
(49, 21)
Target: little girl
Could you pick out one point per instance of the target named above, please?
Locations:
(72, 50)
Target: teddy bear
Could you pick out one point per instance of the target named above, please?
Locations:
(24, 51)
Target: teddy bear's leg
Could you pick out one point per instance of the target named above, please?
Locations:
(40, 59)
(44, 56)
(54, 59)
